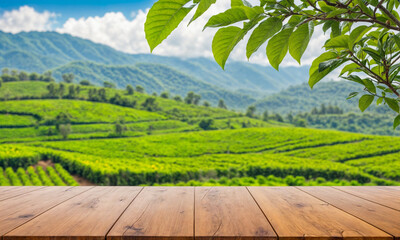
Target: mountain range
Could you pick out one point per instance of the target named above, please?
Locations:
(240, 85)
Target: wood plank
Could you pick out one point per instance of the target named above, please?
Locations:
(19, 210)
(387, 196)
(229, 213)
(10, 192)
(297, 215)
(158, 213)
(89, 215)
(380, 216)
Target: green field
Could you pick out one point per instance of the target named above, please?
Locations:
(169, 145)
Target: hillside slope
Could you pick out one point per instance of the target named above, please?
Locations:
(154, 78)
(46, 50)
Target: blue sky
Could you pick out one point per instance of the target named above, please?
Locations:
(78, 8)
(120, 25)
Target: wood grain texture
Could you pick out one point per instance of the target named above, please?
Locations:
(297, 215)
(377, 215)
(10, 192)
(229, 213)
(16, 211)
(89, 215)
(158, 213)
(387, 196)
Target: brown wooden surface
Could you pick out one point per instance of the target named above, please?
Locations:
(387, 196)
(158, 212)
(185, 213)
(368, 211)
(21, 209)
(89, 215)
(297, 215)
(9, 192)
(229, 212)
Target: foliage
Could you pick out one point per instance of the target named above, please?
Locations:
(363, 35)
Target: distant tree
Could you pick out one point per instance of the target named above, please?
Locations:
(206, 104)
(120, 127)
(61, 119)
(150, 129)
(150, 104)
(189, 98)
(48, 74)
(278, 117)
(5, 71)
(139, 89)
(265, 115)
(1, 82)
(68, 77)
(65, 130)
(52, 89)
(78, 89)
(221, 104)
(154, 94)
(206, 124)
(102, 94)
(14, 73)
(85, 82)
(251, 111)
(61, 90)
(71, 92)
(178, 98)
(129, 89)
(23, 76)
(108, 84)
(34, 77)
(289, 118)
(164, 95)
(196, 99)
(300, 122)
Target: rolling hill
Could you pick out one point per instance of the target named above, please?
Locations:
(51, 50)
(119, 140)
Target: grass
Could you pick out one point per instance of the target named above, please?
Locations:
(167, 147)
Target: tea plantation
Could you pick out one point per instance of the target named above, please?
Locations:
(112, 137)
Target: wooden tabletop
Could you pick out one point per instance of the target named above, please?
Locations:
(183, 213)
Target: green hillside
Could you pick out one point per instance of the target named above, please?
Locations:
(93, 136)
(305, 103)
(154, 78)
(49, 50)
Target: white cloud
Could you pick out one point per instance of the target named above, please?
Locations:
(26, 19)
(127, 34)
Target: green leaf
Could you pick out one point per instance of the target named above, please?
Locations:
(204, 5)
(236, 3)
(315, 74)
(357, 34)
(336, 12)
(397, 40)
(262, 33)
(373, 53)
(350, 68)
(396, 122)
(230, 16)
(365, 101)
(393, 104)
(163, 17)
(351, 95)
(369, 85)
(278, 46)
(328, 64)
(227, 38)
(338, 42)
(379, 101)
(364, 8)
(299, 40)
(355, 78)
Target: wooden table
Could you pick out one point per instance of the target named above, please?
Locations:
(183, 213)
